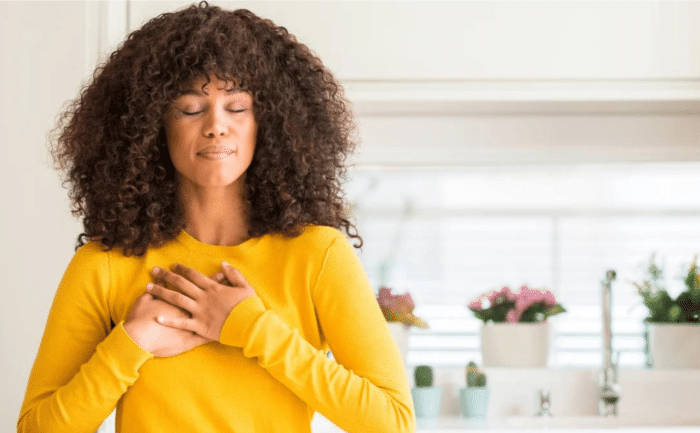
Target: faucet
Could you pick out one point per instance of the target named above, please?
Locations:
(543, 398)
(609, 387)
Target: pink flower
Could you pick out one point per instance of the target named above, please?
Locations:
(549, 299)
(396, 303)
(497, 297)
(476, 304)
(517, 303)
(513, 316)
(528, 297)
(509, 293)
(398, 308)
(493, 298)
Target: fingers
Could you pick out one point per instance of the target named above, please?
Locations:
(200, 280)
(183, 323)
(161, 306)
(190, 275)
(219, 277)
(233, 275)
(172, 297)
(181, 282)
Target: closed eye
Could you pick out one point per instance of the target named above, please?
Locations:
(191, 113)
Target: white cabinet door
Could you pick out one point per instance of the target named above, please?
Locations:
(408, 41)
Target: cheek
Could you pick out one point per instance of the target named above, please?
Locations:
(169, 135)
(173, 145)
(252, 138)
(172, 130)
(175, 138)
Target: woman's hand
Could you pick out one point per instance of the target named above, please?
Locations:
(208, 301)
(159, 340)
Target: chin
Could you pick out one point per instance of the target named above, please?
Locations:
(219, 182)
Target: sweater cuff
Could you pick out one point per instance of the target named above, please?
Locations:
(126, 349)
(240, 320)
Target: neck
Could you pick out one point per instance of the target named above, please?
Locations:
(215, 216)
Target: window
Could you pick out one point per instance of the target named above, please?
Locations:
(447, 235)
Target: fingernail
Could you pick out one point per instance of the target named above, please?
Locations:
(225, 264)
(149, 286)
(156, 270)
(161, 319)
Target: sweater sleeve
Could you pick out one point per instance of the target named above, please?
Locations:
(365, 387)
(81, 369)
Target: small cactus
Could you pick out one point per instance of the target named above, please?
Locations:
(424, 376)
(475, 378)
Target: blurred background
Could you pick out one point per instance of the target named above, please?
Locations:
(501, 143)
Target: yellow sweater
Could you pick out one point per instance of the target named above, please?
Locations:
(269, 373)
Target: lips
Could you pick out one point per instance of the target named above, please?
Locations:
(216, 152)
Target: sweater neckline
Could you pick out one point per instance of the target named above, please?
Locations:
(192, 243)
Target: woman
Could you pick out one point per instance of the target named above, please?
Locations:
(212, 279)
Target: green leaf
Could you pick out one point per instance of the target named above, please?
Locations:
(674, 314)
(557, 309)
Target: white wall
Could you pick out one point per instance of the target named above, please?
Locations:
(49, 48)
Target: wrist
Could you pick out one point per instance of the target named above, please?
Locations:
(136, 336)
(238, 324)
(128, 344)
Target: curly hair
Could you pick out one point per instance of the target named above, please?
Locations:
(112, 147)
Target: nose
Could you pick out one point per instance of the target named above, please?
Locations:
(214, 125)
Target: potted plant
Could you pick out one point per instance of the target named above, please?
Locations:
(673, 325)
(515, 331)
(398, 312)
(474, 399)
(426, 397)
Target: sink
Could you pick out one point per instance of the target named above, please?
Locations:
(653, 401)
(593, 422)
(525, 424)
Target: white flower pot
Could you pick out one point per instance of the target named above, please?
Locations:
(474, 402)
(674, 345)
(426, 401)
(515, 344)
(400, 333)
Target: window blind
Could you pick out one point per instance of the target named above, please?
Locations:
(448, 235)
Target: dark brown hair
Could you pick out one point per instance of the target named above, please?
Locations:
(111, 142)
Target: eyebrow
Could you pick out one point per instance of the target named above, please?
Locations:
(199, 92)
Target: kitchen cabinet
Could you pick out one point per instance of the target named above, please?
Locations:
(496, 57)
(510, 40)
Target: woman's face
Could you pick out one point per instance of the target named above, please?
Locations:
(211, 133)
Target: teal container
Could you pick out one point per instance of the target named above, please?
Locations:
(474, 402)
(426, 401)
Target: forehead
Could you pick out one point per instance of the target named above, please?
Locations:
(202, 85)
